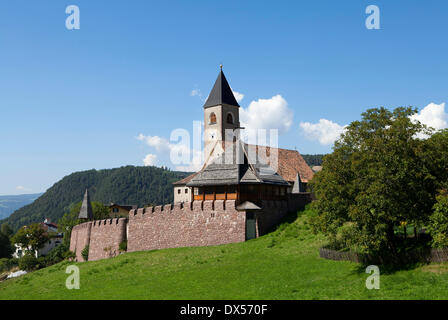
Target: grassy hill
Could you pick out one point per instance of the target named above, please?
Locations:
(284, 264)
(126, 185)
(9, 204)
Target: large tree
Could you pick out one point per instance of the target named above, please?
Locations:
(31, 238)
(377, 177)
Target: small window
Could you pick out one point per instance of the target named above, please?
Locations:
(212, 118)
(186, 190)
(178, 191)
(229, 118)
(115, 210)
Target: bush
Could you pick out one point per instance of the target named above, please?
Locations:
(70, 255)
(438, 227)
(123, 247)
(7, 264)
(28, 262)
(85, 253)
(57, 254)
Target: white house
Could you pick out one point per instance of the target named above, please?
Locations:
(53, 242)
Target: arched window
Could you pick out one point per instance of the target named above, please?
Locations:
(229, 118)
(212, 118)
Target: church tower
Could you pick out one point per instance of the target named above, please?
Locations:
(221, 112)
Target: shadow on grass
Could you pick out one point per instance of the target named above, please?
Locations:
(388, 269)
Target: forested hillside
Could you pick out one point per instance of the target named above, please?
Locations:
(125, 185)
(313, 159)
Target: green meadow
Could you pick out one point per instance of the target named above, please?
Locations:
(284, 264)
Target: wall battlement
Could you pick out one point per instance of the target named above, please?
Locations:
(189, 224)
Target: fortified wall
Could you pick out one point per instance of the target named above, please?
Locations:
(190, 224)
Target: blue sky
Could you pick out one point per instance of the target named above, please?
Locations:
(74, 100)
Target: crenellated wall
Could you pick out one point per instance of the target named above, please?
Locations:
(190, 224)
(105, 238)
(198, 223)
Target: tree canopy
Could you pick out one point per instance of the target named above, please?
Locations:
(383, 172)
(31, 238)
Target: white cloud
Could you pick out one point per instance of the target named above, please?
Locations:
(159, 143)
(173, 151)
(433, 115)
(238, 96)
(267, 114)
(196, 92)
(150, 160)
(325, 131)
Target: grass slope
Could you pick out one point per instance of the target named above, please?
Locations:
(284, 264)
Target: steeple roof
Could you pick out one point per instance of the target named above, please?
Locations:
(86, 211)
(221, 93)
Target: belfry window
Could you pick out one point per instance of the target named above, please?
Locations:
(212, 118)
(229, 118)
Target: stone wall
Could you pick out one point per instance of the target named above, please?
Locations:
(80, 238)
(191, 224)
(105, 238)
(198, 223)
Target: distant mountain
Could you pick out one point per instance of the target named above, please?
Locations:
(9, 204)
(126, 185)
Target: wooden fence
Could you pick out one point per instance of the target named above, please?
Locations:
(421, 255)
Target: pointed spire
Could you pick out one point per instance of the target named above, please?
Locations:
(86, 211)
(221, 93)
(297, 188)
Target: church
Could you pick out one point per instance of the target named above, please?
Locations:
(241, 192)
(234, 170)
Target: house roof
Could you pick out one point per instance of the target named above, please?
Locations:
(185, 180)
(123, 206)
(221, 93)
(86, 211)
(234, 167)
(290, 162)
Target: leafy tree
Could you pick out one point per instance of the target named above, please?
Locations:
(6, 230)
(28, 262)
(5, 246)
(376, 177)
(438, 228)
(70, 219)
(31, 237)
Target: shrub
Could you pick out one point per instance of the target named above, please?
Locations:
(7, 264)
(70, 255)
(123, 247)
(85, 253)
(57, 254)
(28, 262)
(438, 227)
